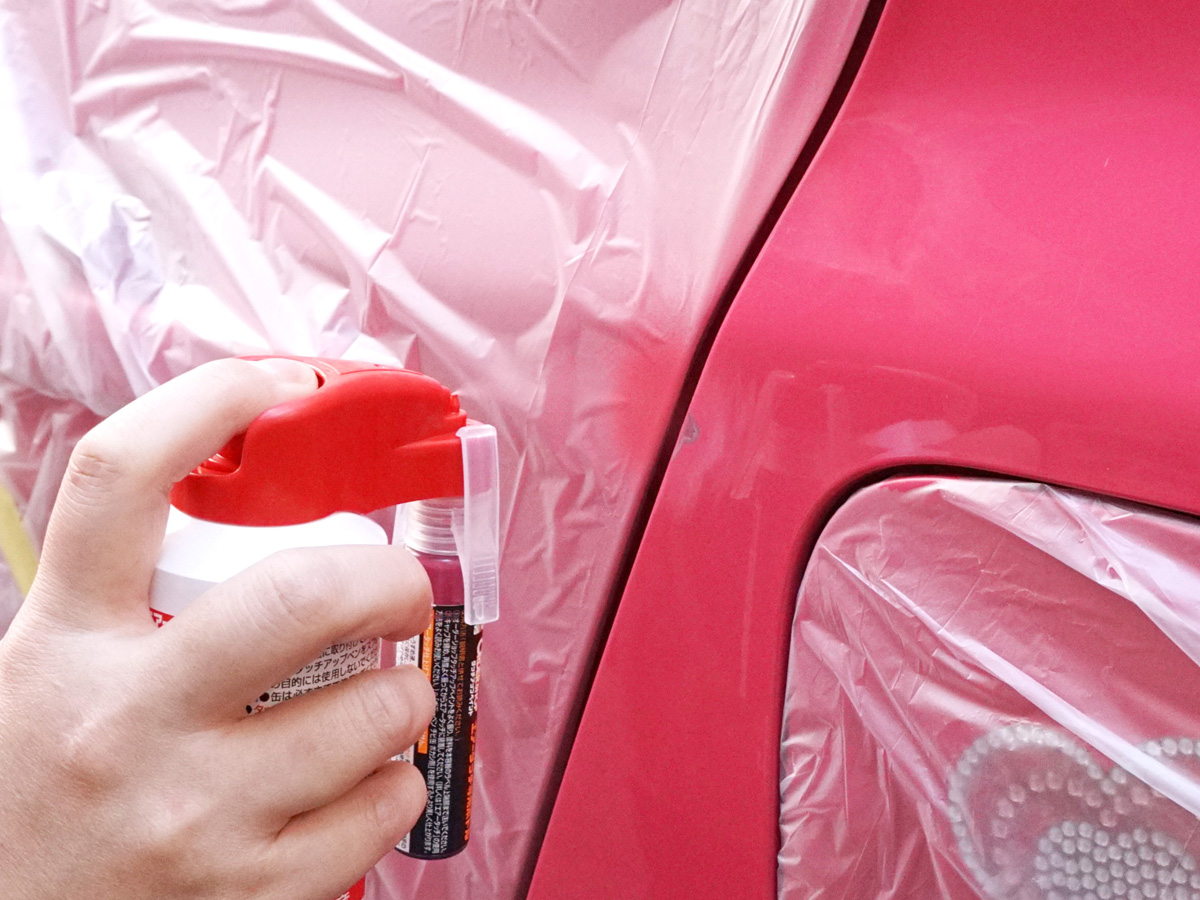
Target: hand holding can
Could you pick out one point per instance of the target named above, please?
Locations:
(131, 768)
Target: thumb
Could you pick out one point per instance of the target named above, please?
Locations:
(107, 525)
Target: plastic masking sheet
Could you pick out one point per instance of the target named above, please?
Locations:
(993, 693)
(536, 202)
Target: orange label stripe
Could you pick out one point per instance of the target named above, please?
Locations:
(427, 667)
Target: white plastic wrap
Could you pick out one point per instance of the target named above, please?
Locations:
(535, 202)
(993, 693)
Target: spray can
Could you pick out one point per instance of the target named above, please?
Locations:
(306, 474)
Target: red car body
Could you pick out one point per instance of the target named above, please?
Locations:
(989, 266)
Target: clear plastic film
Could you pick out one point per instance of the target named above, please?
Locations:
(536, 203)
(992, 693)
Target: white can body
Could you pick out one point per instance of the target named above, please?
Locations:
(196, 555)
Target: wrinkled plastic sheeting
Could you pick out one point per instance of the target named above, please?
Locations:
(993, 693)
(536, 202)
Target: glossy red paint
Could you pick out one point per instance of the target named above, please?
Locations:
(992, 263)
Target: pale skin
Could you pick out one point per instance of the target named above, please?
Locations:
(128, 767)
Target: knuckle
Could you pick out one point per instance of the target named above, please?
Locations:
(93, 744)
(229, 374)
(165, 826)
(91, 752)
(296, 586)
(228, 370)
(96, 465)
(86, 763)
(171, 837)
(384, 710)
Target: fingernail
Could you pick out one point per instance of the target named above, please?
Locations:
(289, 371)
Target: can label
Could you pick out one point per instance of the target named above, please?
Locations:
(335, 664)
(448, 652)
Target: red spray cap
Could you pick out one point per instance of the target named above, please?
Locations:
(369, 437)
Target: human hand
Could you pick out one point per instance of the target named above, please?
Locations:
(128, 768)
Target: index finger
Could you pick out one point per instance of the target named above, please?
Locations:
(248, 633)
(107, 526)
